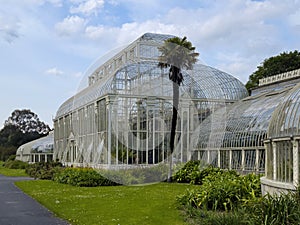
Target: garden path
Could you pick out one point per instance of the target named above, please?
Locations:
(17, 208)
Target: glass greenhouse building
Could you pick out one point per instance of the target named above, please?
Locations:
(123, 118)
(282, 144)
(233, 137)
(259, 133)
(39, 150)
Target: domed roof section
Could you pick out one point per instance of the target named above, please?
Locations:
(217, 84)
(286, 118)
(147, 79)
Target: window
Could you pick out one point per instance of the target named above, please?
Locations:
(284, 161)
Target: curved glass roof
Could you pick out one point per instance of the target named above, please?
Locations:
(147, 79)
(285, 121)
(242, 124)
(41, 145)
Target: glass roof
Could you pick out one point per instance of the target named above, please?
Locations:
(242, 124)
(134, 70)
(286, 118)
(41, 145)
(147, 79)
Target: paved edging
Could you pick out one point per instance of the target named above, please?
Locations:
(17, 208)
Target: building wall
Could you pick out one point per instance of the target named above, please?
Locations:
(125, 130)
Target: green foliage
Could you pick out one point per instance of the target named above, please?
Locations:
(11, 172)
(195, 216)
(82, 177)
(21, 127)
(225, 197)
(27, 122)
(275, 209)
(222, 190)
(43, 170)
(194, 172)
(15, 164)
(281, 63)
(177, 52)
(183, 174)
(6, 152)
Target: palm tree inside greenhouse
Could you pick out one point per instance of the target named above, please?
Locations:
(176, 54)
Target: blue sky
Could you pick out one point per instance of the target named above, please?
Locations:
(47, 45)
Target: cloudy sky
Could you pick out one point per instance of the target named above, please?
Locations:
(47, 45)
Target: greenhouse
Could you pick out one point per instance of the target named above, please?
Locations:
(282, 145)
(233, 137)
(123, 118)
(39, 150)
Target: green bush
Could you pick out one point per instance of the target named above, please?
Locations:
(194, 172)
(82, 177)
(15, 164)
(43, 170)
(275, 209)
(183, 174)
(222, 191)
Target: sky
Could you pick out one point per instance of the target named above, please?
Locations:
(47, 45)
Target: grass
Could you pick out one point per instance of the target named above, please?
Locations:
(12, 172)
(129, 205)
(195, 216)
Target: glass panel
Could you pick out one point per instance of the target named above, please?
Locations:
(42, 158)
(261, 161)
(284, 162)
(250, 156)
(236, 160)
(224, 159)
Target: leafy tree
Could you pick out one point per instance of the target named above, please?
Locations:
(10, 135)
(281, 63)
(176, 53)
(27, 122)
(21, 127)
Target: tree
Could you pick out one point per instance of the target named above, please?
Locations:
(281, 63)
(176, 54)
(27, 122)
(10, 135)
(21, 127)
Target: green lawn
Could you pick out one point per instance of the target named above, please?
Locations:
(12, 172)
(125, 205)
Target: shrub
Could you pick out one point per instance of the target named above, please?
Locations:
(222, 191)
(194, 172)
(15, 164)
(43, 170)
(82, 177)
(275, 209)
(183, 175)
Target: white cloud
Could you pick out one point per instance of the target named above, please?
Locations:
(70, 25)
(128, 31)
(54, 71)
(88, 7)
